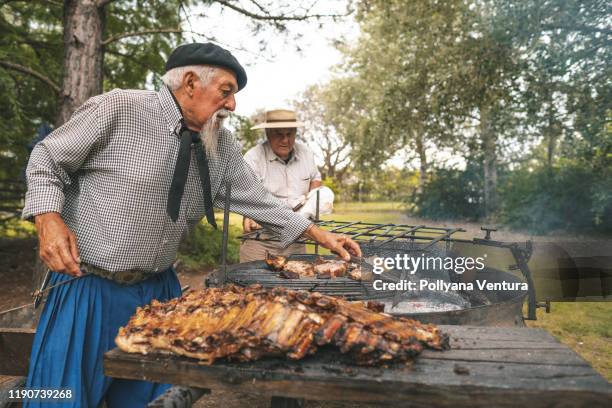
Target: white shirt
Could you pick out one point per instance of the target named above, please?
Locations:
(286, 181)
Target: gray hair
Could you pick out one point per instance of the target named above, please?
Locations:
(174, 78)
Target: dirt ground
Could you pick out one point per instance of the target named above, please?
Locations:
(17, 262)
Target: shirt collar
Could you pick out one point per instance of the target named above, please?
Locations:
(271, 156)
(170, 109)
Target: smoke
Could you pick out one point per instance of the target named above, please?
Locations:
(210, 131)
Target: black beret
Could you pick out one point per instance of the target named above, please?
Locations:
(206, 54)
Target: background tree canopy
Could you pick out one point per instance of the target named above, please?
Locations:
(54, 55)
(520, 91)
(500, 109)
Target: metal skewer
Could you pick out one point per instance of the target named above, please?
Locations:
(226, 211)
(38, 294)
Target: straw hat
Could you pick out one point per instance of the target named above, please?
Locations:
(279, 118)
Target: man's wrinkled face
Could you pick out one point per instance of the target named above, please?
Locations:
(282, 141)
(216, 96)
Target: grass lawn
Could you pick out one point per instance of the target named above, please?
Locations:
(377, 212)
(586, 327)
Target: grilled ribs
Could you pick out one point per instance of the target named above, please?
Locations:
(244, 324)
(321, 268)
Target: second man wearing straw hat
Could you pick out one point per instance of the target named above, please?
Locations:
(287, 169)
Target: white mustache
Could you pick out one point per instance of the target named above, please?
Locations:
(222, 113)
(209, 135)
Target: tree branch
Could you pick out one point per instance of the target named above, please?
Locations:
(268, 17)
(102, 3)
(118, 37)
(129, 57)
(31, 72)
(55, 3)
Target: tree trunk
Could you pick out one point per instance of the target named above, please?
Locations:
(552, 132)
(423, 165)
(83, 55)
(489, 145)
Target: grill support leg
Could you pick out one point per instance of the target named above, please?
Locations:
(178, 397)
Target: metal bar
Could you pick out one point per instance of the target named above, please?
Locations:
(377, 226)
(403, 234)
(368, 224)
(344, 226)
(522, 257)
(367, 237)
(385, 234)
(440, 238)
(226, 210)
(316, 220)
(39, 293)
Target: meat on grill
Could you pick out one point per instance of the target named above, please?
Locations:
(244, 324)
(321, 268)
(330, 268)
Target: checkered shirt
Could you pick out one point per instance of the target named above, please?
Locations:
(108, 172)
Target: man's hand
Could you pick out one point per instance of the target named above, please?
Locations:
(57, 244)
(249, 225)
(338, 244)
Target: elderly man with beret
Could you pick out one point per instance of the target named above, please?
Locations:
(287, 169)
(112, 192)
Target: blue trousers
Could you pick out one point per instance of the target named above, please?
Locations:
(77, 326)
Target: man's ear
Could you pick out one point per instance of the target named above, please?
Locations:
(188, 83)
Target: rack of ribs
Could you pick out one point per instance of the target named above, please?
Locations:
(321, 268)
(247, 323)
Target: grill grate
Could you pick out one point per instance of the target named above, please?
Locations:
(387, 240)
(380, 234)
(257, 273)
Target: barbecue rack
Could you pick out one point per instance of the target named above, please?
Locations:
(379, 239)
(377, 235)
(375, 240)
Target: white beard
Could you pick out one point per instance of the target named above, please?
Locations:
(210, 131)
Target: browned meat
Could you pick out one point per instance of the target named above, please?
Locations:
(275, 262)
(330, 268)
(321, 268)
(301, 268)
(245, 324)
(355, 272)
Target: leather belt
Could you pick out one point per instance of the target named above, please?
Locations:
(129, 277)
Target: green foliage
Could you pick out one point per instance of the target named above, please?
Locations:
(565, 197)
(332, 185)
(202, 247)
(16, 228)
(451, 194)
(510, 86)
(31, 36)
(248, 137)
(25, 101)
(129, 62)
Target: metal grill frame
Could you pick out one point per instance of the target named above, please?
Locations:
(378, 235)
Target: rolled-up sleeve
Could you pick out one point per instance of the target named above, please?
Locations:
(60, 154)
(251, 199)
